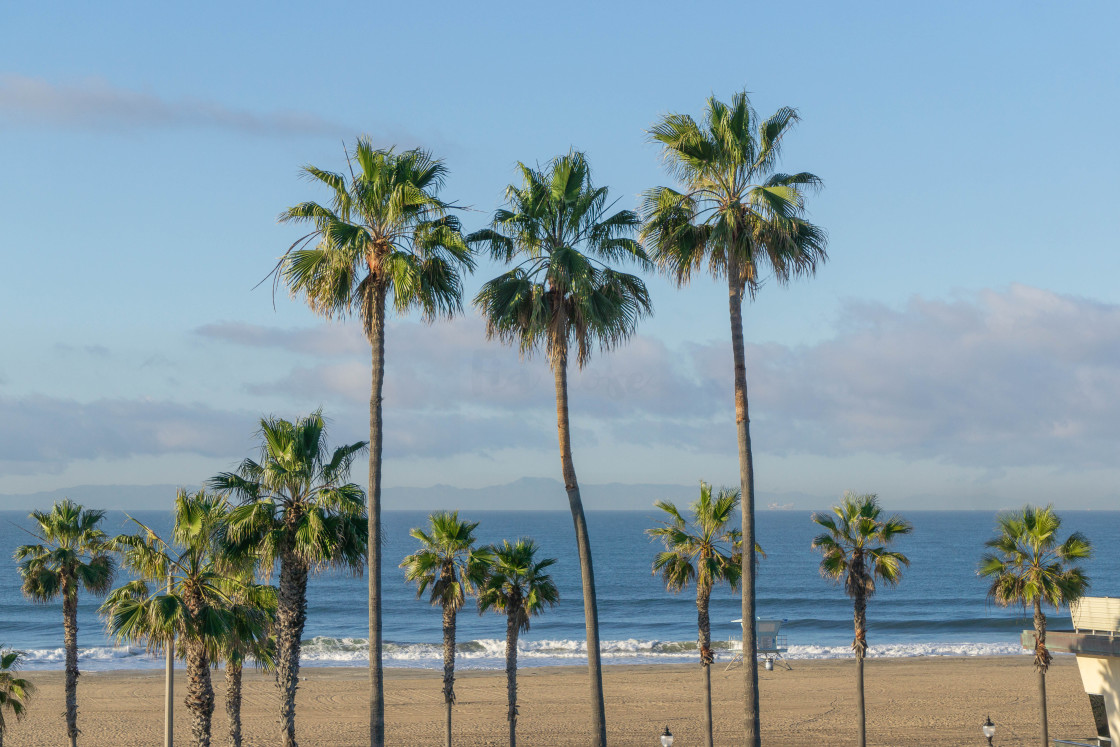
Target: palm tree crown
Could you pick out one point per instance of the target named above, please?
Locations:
(517, 584)
(561, 294)
(295, 498)
(704, 551)
(854, 545)
(72, 553)
(14, 690)
(385, 231)
(733, 211)
(447, 562)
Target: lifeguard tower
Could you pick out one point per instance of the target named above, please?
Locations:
(1095, 640)
(769, 643)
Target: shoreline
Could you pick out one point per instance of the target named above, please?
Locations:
(915, 700)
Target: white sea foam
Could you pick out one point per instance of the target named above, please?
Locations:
(489, 653)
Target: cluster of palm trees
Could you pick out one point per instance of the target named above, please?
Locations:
(197, 590)
(1028, 565)
(506, 578)
(386, 240)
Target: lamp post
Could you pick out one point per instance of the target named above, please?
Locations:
(989, 730)
(667, 738)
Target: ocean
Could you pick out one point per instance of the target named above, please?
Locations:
(939, 608)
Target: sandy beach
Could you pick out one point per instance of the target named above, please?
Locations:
(910, 701)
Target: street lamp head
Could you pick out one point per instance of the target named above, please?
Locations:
(667, 738)
(989, 729)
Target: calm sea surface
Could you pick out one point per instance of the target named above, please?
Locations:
(939, 608)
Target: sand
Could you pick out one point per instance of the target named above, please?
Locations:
(918, 701)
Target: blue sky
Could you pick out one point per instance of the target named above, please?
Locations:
(962, 340)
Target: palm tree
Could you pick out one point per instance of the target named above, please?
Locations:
(562, 298)
(249, 637)
(449, 564)
(183, 591)
(14, 690)
(517, 586)
(298, 511)
(735, 213)
(71, 554)
(854, 546)
(1029, 565)
(703, 551)
(386, 232)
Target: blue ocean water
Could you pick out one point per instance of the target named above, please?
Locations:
(939, 608)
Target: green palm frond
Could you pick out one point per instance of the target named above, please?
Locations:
(732, 212)
(561, 295)
(1027, 562)
(386, 227)
(516, 584)
(447, 562)
(73, 553)
(15, 691)
(854, 545)
(706, 549)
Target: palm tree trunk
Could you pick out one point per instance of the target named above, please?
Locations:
(703, 596)
(583, 543)
(859, 645)
(1041, 663)
(70, 641)
(200, 693)
(291, 614)
(449, 664)
(233, 702)
(746, 484)
(375, 320)
(512, 631)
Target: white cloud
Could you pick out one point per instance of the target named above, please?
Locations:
(995, 380)
(44, 434)
(97, 104)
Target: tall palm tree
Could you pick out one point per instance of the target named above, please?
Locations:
(183, 591)
(299, 512)
(14, 690)
(703, 551)
(561, 297)
(734, 213)
(1029, 566)
(451, 566)
(71, 555)
(386, 232)
(517, 586)
(855, 554)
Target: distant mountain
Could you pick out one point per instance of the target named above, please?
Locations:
(526, 494)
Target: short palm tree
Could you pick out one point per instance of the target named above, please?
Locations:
(854, 546)
(249, 638)
(741, 218)
(703, 551)
(299, 512)
(516, 586)
(14, 690)
(450, 566)
(71, 555)
(1030, 566)
(385, 233)
(184, 592)
(563, 299)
